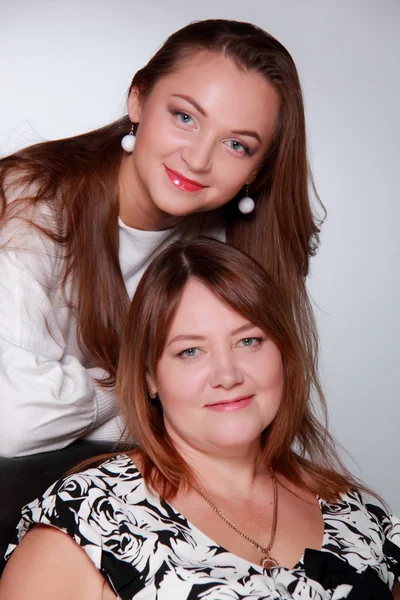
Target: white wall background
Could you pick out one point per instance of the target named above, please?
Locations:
(65, 68)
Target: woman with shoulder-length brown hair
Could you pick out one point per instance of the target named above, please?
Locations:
(218, 120)
(234, 489)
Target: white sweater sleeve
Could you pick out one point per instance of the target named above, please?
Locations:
(48, 398)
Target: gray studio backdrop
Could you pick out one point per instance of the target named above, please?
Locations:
(66, 66)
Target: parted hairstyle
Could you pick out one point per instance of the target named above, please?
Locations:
(77, 178)
(296, 444)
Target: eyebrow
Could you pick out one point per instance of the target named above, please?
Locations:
(192, 102)
(194, 337)
(249, 133)
(246, 132)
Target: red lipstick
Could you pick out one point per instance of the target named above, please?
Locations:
(183, 183)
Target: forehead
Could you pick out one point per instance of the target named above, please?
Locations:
(223, 89)
(200, 311)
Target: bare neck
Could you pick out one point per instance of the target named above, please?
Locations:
(221, 472)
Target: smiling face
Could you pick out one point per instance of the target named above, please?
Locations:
(203, 131)
(219, 378)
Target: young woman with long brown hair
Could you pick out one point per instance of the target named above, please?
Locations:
(234, 489)
(218, 119)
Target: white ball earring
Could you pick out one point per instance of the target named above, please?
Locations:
(246, 204)
(128, 141)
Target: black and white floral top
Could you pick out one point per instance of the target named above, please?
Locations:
(146, 550)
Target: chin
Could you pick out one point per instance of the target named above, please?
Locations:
(177, 203)
(240, 435)
(239, 442)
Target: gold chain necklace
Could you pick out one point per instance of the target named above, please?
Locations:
(266, 561)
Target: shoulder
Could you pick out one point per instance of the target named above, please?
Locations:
(82, 497)
(355, 503)
(365, 531)
(88, 506)
(354, 507)
(68, 570)
(108, 510)
(114, 478)
(25, 216)
(28, 235)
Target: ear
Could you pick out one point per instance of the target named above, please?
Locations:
(252, 176)
(151, 383)
(134, 105)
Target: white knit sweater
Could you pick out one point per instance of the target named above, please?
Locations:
(49, 396)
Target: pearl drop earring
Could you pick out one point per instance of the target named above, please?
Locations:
(128, 141)
(246, 204)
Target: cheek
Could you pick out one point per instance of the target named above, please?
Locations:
(182, 386)
(158, 131)
(150, 126)
(268, 372)
(230, 173)
(276, 376)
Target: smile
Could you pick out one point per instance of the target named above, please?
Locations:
(231, 405)
(181, 182)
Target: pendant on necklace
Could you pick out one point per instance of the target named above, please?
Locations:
(267, 562)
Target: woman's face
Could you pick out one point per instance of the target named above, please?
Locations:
(203, 131)
(219, 379)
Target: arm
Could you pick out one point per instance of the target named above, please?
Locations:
(48, 564)
(48, 398)
(396, 591)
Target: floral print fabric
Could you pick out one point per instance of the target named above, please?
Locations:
(148, 551)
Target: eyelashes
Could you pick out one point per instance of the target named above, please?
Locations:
(252, 343)
(182, 116)
(245, 148)
(257, 340)
(189, 353)
(186, 119)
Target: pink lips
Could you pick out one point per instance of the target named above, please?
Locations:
(231, 405)
(181, 182)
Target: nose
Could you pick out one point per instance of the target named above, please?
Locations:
(198, 153)
(225, 371)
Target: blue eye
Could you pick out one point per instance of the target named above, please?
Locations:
(189, 353)
(238, 147)
(250, 342)
(183, 117)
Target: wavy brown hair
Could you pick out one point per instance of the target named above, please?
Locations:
(296, 444)
(78, 178)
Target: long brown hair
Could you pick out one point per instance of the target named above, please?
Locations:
(296, 444)
(79, 176)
